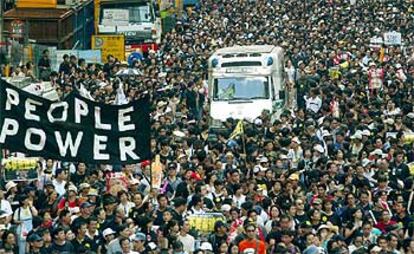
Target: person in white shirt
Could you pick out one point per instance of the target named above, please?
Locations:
(197, 206)
(125, 204)
(391, 109)
(5, 207)
(238, 197)
(291, 76)
(295, 153)
(48, 168)
(121, 98)
(186, 239)
(115, 245)
(59, 181)
(313, 102)
(126, 246)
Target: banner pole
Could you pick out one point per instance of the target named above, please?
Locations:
(244, 144)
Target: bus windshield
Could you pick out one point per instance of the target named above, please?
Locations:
(126, 13)
(245, 88)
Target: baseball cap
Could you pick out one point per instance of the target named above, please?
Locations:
(86, 205)
(311, 250)
(323, 226)
(225, 208)
(84, 186)
(264, 159)
(73, 188)
(377, 152)
(34, 238)
(172, 165)
(206, 246)
(195, 176)
(319, 148)
(139, 237)
(108, 231)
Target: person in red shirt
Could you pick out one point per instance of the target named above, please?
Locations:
(385, 222)
(70, 201)
(251, 242)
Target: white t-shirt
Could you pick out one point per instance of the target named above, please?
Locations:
(127, 207)
(239, 200)
(313, 104)
(188, 242)
(59, 187)
(6, 207)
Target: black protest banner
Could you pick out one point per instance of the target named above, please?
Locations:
(75, 129)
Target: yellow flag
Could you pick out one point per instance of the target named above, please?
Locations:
(382, 54)
(238, 130)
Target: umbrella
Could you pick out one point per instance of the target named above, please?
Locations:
(129, 72)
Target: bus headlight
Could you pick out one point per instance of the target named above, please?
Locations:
(214, 63)
(269, 61)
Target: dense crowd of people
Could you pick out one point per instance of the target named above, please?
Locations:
(332, 175)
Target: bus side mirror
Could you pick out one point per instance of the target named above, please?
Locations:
(281, 95)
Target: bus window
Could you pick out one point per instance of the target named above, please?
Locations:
(245, 88)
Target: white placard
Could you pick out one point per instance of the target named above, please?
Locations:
(392, 38)
(376, 40)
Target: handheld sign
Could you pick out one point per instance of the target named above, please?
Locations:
(392, 38)
(156, 176)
